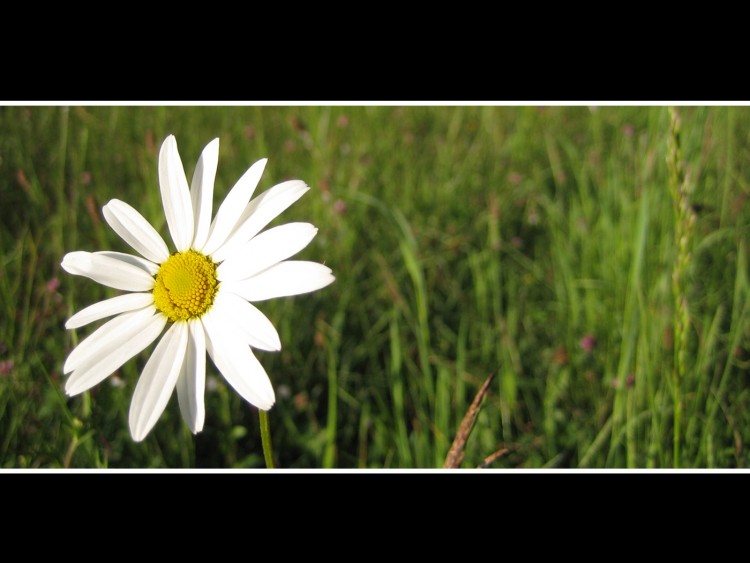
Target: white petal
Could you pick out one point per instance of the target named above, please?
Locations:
(107, 270)
(253, 326)
(135, 230)
(146, 265)
(90, 373)
(265, 250)
(175, 195)
(237, 363)
(259, 212)
(110, 335)
(292, 277)
(231, 208)
(109, 307)
(192, 381)
(157, 381)
(202, 192)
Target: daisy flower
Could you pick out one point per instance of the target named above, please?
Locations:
(201, 292)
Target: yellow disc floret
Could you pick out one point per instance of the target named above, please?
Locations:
(185, 286)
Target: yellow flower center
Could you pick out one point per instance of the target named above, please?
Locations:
(185, 286)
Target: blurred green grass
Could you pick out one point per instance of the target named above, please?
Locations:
(535, 242)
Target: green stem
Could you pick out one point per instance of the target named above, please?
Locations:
(683, 229)
(677, 424)
(265, 436)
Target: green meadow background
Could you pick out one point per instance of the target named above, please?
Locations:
(595, 259)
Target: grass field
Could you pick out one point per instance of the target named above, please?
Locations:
(594, 259)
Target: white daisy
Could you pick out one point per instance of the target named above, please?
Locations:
(201, 292)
